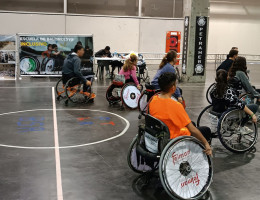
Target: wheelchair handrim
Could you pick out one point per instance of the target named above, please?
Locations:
(162, 168)
(208, 93)
(142, 102)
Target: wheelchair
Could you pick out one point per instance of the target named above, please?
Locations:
(145, 97)
(227, 127)
(72, 90)
(185, 171)
(142, 71)
(127, 93)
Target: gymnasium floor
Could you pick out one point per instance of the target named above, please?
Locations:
(49, 151)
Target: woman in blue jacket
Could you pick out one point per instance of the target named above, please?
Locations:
(167, 65)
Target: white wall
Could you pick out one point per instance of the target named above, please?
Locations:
(121, 34)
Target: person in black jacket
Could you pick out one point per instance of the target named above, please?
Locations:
(71, 68)
(104, 53)
(226, 65)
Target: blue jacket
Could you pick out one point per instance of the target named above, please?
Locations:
(166, 68)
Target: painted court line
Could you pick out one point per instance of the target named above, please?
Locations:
(71, 146)
(57, 150)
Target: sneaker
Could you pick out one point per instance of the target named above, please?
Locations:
(245, 130)
(89, 95)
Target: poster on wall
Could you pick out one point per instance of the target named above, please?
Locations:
(200, 45)
(45, 54)
(185, 44)
(7, 57)
(173, 42)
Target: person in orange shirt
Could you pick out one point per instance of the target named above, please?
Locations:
(173, 114)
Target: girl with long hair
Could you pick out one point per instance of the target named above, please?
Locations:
(224, 96)
(167, 65)
(129, 70)
(239, 70)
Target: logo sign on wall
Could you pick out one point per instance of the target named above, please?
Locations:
(200, 45)
(173, 42)
(185, 44)
(45, 54)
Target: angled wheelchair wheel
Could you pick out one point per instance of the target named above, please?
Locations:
(60, 89)
(234, 135)
(137, 162)
(142, 102)
(185, 170)
(130, 95)
(206, 118)
(113, 94)
(74, 91)
(209, 91)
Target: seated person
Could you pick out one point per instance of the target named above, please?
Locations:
(129, 70)
(233, 48)
(167, 65)
(226, 65)
(223, 97)
(101, 63)
(239, 70)
(71, 69)
(173, 114)
(48, 52)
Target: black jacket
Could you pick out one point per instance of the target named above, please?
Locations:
(102, 53)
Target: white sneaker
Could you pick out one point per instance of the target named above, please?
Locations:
(245, 130)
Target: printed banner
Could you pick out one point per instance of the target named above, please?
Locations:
(7, 56)
(185, 44)
(45, 54)
(200, 45)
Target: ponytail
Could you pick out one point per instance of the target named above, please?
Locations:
(170, 56)
(221, 83)
(130, 63)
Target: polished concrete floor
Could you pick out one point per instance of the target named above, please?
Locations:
(91, 167)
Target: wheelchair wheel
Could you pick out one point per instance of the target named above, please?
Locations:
(60, 89)
(113, 94)
(29, 64)
(209, 91)
(136, 162)
(235, 136)
(130, 95)
(206, 118)
(142, 102)
(74, 91)
(185, 170)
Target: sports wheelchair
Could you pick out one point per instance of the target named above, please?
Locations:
(128, 93)
(227, 126)
(145, 97)
(72, 90)
(185, 171)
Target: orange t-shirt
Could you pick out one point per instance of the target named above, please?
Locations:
(172, 114)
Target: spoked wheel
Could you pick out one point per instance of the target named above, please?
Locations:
(236, 135)
(60, 89)
(206, 118)
(185, 170)
(113, 94)
(209, 91)
(74, 91)
(138, 163)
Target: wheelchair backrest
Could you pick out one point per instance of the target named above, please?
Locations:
(156, 134)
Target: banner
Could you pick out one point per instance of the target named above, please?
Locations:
(7, 56)
(200, 45)
(45, 54)
(185, 44)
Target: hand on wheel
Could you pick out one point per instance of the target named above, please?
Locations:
(208, 150)
(180, 99)
(254, 118)
(88, 83)
(139, 87)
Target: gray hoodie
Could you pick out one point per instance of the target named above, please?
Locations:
(72, 66)
(246, 84)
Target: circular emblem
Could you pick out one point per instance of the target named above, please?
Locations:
(186, 23)
(201, 21)
(132, 95)
(199, 68)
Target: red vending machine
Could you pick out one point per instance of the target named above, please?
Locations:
(173, 42)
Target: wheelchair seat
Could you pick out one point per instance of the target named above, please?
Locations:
(148, 86)
(217, 114)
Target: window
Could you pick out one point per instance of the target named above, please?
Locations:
(162, 8)
(104, 7)
(54, 6)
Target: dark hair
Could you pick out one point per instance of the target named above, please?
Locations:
(54, 46)
(77, 48)
(233, 48)
(166, 81)
(49, 45)
(239, 64)
(87, 47)
(232, 53)
(222, 83)
(107, 48)
(168, 58)
(80, 43)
